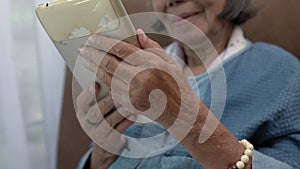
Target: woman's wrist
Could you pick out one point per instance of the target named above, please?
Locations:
(220, 150)
(101, 160)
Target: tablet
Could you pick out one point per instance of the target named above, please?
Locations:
(69, 23)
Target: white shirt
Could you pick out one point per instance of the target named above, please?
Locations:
(236, 44)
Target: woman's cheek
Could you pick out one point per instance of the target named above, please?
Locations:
(214, 6)
(209, 3)
(159, 5)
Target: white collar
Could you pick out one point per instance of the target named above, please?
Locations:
(236, 44)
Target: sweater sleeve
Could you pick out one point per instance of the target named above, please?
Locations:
(260, 161)
(282, 150)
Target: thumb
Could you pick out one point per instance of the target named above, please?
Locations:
(145, 41)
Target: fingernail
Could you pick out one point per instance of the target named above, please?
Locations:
(92, 39)
(141, 32)
(132, 118)
(80, 52)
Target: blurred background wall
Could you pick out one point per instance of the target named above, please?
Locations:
(38, 126)
(31, 89)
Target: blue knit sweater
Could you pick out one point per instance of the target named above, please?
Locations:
(263, 106)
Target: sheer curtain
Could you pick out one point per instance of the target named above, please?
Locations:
(31, 89)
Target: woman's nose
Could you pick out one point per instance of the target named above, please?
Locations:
(171, 3)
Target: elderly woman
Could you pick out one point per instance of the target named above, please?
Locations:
(262, 106)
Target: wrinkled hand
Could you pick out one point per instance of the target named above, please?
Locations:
(144, 81)
(101, 121)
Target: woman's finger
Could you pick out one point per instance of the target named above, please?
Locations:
(125, 123)
(91, 54)
(112, 46)
(104, 60)
(146, 42)
(85, 98)
(104, 77)
(116, 134)
(97, 112)
(150, 45)
(122, 76)
(113, 119)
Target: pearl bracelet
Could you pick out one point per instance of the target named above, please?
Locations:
(245, 158)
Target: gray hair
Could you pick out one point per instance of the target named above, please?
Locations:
(235, 11)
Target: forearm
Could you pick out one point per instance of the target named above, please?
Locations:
(100, 159)
(220, 150)
(91, 161)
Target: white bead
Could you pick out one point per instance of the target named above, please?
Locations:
(245, 159)
(248, 153)
(240, 165)
(249, 146)
(244, 142)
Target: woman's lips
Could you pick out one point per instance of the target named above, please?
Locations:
(185, 17)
